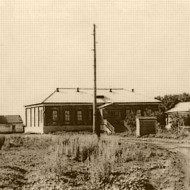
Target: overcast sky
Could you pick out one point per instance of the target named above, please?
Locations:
(44, 44)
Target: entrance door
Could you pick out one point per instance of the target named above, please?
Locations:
(13, 128)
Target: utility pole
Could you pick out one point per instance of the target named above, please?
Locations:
(94, 103)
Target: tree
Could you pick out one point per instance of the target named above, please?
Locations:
(169, 101)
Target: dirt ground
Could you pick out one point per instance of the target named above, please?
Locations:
(179, 147)
(22, 166)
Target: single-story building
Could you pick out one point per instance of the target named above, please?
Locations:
(180, 109)
(11, 124)
(72, 110)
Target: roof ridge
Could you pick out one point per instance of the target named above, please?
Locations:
(49, 96)
(140, 94)
(12, 118)
(91, 88)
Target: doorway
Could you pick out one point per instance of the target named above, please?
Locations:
(13, 128)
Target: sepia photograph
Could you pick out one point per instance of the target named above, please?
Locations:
(95, 95)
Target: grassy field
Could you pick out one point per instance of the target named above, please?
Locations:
(82, 161)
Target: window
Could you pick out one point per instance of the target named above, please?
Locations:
(55, 115)
(40, 115)
(27, 117)
(30, 117)
(138, 113)
(34, 118)
(79, 115)
(67, 115)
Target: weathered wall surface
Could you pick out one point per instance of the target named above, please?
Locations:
(34, 129)
(86, 115)
(19, 128)
(69, 128)
(145, 126)
(8, 128)
(5, 128)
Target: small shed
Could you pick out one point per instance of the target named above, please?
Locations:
(145, 126)
(11, 124)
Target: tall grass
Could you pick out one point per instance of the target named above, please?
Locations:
(98, 158)
(83, 160)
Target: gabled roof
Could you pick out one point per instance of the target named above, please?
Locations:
(180, 107)
(84, 95)
(8, 119)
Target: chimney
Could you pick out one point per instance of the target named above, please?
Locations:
(133, 90)
(110, 90)
(57, 89)
(77, 89)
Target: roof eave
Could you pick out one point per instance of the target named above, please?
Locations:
(37, 104)
(89, 103)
